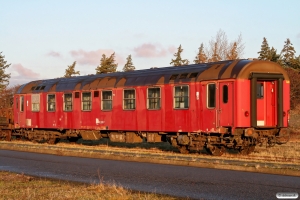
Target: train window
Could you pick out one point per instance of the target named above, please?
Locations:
(21, 103)
(193, 75)
(181, 96)
(43, 87)
(38, 87)
(211, 95)
(153, 98)
(96, 93)
(173, 77)
(35, 102)
(86, 101)
(68, 103)
(129, 99)
(183, 76)
(51, 102)
(225, 93)
(33, 88)
(106, 100)
(260, 91)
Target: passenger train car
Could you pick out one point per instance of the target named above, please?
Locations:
(235, 104)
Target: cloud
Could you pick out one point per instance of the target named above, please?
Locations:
(53, 54)
(21, 75)
(93, 57)
(149, 50)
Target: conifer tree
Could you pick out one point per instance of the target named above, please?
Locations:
(178, 61)
(70, 71)
(4, 77)
(107, 64)
(129, 65)
(215, 56)
(273, 56)
(288, 54)
(264, 53)
(232, 54)
(201, 56)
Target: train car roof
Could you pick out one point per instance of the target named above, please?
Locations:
(231, 69)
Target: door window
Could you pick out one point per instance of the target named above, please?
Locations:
(225, 93)
(21, 103)
(211, 95)
(260, 91)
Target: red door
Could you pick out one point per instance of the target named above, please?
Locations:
(225, 110)
(20, 109)
(266, 103)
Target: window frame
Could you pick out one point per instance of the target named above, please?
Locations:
(225, 96)
(107, 100)
(35, 103)
(159, 98)
(260, 87)
(183, 97)
(208, 96)
(66, 101)
(89, 105)
(129, 99)
(50, 103)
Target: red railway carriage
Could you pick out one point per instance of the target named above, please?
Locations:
(228, 104)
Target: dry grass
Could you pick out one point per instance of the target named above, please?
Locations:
(19, 186)
(288, 153)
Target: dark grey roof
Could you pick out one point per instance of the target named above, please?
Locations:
(155, 76)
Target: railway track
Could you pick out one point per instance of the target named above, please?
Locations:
(265, 164)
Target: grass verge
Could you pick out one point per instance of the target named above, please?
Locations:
(283, 159)
(20, 186)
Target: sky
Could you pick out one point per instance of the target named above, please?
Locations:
(41, 38)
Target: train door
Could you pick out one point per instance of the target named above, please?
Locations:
(75, 121)
(266, 103)
(16, 110)
(209, 106)
(20, 109)
(225, 104)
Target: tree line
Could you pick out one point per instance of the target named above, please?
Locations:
(219, 48)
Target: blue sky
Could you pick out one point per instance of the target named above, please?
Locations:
(41, 38)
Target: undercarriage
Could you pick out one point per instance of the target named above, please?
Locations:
(243, 140)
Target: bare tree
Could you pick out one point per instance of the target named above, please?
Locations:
(232, 53)
(219, 47)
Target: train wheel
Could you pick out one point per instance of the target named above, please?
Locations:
(245, 150)
(183, 150)
(251, 149)
(216, 150)
(52, 141)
